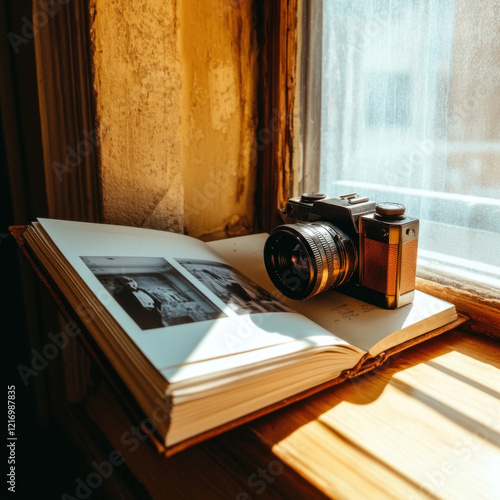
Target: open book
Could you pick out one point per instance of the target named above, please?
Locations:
(197, 331)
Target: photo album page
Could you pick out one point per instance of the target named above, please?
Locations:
(183, 306)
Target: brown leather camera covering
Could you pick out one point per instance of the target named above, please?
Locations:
(381, 266)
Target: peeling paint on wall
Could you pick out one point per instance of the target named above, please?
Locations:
(220, 76)
(176, 86)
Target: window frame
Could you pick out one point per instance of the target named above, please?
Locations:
(276, 140)
(284, 88)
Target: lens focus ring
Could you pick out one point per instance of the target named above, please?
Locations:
(319, 267)
(329, 254)
(306, 258)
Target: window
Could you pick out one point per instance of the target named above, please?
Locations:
(407, 109)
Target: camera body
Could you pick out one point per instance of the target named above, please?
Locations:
(363, 249)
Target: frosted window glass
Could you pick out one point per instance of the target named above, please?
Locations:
(410, 112)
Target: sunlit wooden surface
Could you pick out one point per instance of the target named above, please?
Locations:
(425, 425)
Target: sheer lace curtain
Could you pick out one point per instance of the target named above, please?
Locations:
(410, 112)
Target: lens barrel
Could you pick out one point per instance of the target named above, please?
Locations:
(306, 258)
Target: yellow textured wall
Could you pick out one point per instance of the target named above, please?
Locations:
(176, 86)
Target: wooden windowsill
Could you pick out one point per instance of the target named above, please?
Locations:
(481, 307)
(424, 426)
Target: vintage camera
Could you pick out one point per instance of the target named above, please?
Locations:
(364, 249)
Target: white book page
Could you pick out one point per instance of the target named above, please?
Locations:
(363, 325)
(199, 322)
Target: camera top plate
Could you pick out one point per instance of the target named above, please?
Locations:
(344, 211)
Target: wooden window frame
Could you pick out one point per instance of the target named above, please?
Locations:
(279, 172)
(275, 138)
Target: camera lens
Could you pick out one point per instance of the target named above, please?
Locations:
(307, 258)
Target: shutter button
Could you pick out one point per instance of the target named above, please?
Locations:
(390, 211)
